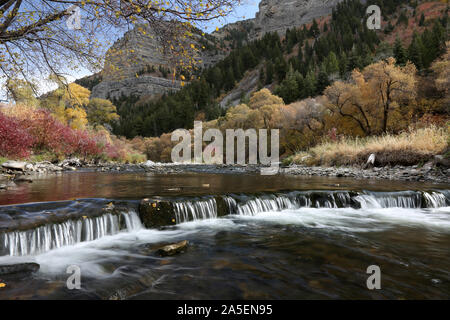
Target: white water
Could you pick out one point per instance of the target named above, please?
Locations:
(377, 211)
(195, 210)
(48, 237)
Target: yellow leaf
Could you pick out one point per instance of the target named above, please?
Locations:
(2, 285)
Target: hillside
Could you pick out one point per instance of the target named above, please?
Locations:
(331, 47)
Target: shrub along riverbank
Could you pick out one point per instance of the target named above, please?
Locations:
(36, 134)
(411, 147)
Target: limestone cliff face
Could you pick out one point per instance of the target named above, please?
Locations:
(140, 86)
(130, 55)
(138, 48)
(279, 15)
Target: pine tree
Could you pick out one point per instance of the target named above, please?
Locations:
(332, 63)
(415, 50)
(314, 30)
(422, 20)
(400, 52)
(322, 82)
(269, 72)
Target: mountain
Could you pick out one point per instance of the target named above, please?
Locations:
(138, 50)
(280, 15)
(294, 65)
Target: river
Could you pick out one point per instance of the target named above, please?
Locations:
(282, 237)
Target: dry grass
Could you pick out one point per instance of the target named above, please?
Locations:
(408, 148)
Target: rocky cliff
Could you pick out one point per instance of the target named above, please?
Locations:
(138, 49)
(279, 15)
(132, 64)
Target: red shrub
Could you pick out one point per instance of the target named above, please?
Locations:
(15, 141)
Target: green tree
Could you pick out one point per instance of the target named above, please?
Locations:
(400, 53)
(101, 112)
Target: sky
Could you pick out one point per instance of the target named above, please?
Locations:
(246, 10)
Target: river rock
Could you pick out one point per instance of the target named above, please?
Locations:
(17, 268)
(172, 249)
(156, 213)
(14, 165)
(72, 162)
(441, 160)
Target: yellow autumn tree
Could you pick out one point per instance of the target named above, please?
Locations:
(374, 96)
(262, 98)
(101, 112)
(67, 103)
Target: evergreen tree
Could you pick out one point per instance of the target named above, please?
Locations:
(314, 30)
(400, 53)
(322, 82)
(415, 50)
(269, 72)
(422, 20)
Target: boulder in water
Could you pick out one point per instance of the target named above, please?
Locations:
(156, 213)
(172, 249)
(19, 268)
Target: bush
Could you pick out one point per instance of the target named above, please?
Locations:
(15, 141)
(408, 148)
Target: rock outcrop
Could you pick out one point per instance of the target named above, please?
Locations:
(133, 64)
(279, 15)
(139, 48)
(139, 86)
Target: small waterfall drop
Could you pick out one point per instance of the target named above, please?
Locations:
(52, 236)
(267, 203)
(195, 210)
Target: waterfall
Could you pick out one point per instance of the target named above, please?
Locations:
(195, 210)
(338, 199)
(52, 236)
(266, 203)
(435, 199)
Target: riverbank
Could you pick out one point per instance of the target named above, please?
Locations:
(12, 172)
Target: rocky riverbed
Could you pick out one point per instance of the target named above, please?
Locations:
(13, 172)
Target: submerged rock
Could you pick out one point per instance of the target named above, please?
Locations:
(172, 249)
(18, 268)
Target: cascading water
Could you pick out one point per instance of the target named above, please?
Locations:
(52, 236)
(70, 232)
(267, 203)
(338, 199)
(195, 210)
